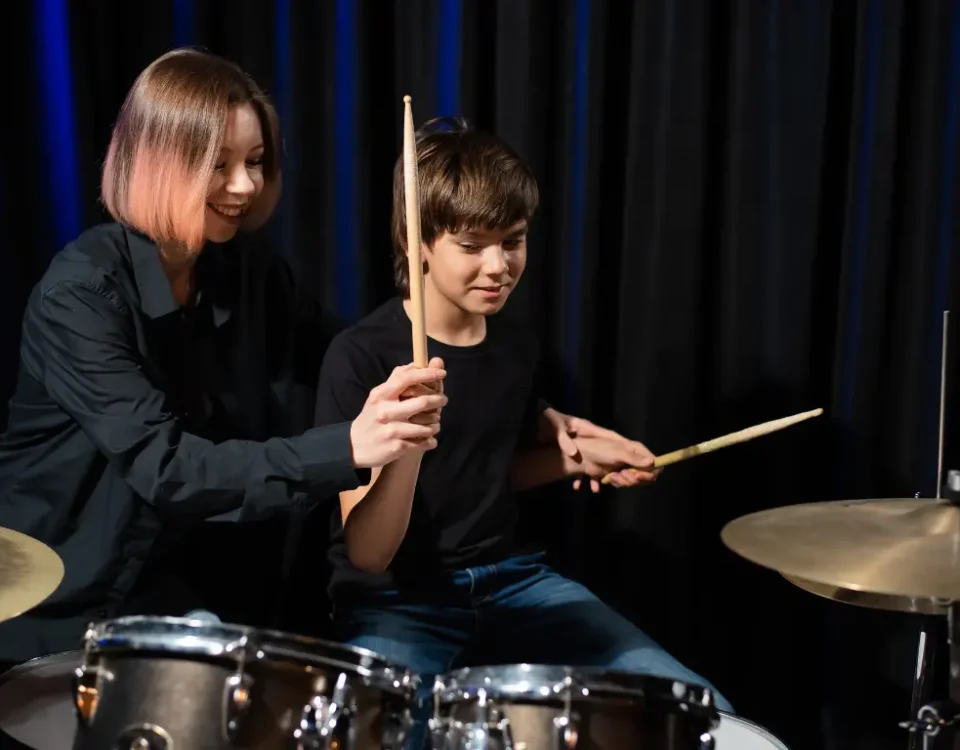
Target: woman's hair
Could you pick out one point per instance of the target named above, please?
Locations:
(167, 140)
(468, 179)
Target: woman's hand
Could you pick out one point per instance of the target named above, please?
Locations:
(390, 426)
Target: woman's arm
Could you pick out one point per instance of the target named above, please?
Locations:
(81, 338)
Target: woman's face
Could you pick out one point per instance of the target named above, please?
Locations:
(238, 178)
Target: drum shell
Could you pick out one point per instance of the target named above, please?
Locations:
(561, 708)
(261, 690)
(598, 725)
(184, 700)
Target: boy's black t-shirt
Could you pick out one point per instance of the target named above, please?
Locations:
(464, 512)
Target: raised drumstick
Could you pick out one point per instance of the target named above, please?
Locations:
(733, 438)
(412, 194)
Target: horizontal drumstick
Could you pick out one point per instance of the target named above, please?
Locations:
(733, 438)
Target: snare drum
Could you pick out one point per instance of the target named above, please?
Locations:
(532, 707)
(159, 683)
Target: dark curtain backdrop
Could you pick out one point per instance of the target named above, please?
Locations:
(748, 211)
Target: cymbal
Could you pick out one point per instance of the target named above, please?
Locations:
(29, 572)
(868, 600)
(898, 547)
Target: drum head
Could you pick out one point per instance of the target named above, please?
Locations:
(735, 733)
(179, 636)
(36, 702)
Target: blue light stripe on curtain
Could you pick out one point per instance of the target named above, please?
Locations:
(858, 245)
(282, 96)
(52, 24)
(577, 197)
(345, 161)
(449, 52)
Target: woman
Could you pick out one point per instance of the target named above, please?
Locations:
(161, 372)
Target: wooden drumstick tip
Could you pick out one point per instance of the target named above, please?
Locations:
(741, 436)
(407, 99)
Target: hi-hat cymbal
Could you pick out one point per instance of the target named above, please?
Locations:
(29, 572)
(899, 547)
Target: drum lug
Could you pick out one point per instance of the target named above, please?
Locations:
(396, 730)
(490, 731)
(236, 704)
(86, 692)
(565, 733)
(707, 741)
(236, 700)
(324, 722)
(145, 737)
(483, 735)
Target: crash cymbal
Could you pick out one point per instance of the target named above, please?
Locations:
(898, 547)
(29, 572)
(868, 600)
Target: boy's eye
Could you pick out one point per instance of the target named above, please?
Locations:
(468, 246)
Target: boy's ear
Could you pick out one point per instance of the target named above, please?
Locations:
(424, 249)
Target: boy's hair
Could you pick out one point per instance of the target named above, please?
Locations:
(167, 140)
(468, 179)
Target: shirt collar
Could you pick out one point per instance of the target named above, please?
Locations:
(156, 296)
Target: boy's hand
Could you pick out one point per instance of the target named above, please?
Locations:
(571, 432)
(628, 462)
(427, 417)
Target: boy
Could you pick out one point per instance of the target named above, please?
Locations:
(427, 570)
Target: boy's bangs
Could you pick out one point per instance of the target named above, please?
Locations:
(498, 202)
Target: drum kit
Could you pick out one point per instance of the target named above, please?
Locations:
(166, 683)
(163, 683)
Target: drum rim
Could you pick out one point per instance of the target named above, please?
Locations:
(462, 684)
(182, 635)
(38, 661)
(760, 729)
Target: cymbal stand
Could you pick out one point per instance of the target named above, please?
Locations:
(926, 647)
(937, 719)
(926, 653)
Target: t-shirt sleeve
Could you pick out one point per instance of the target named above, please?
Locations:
(347, 376)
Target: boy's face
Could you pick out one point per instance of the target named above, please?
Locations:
(477, 269)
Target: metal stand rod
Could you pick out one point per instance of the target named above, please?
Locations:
(935, 724)
(922, 689)
(953, 638)
(943, 399)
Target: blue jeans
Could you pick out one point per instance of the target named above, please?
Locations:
(519, 610)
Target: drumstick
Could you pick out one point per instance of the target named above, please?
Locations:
(733, 438)
(415, 265)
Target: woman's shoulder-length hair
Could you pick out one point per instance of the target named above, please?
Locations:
(166, 142)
